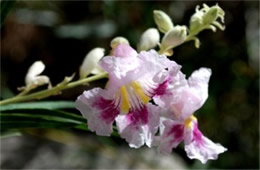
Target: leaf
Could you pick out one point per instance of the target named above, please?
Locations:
(39, 105)
(11, 125)
(5, 8)
(38, 118)
(47, 112)
(23, 116)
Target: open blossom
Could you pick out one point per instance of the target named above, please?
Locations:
(132, 84)
(180, 125)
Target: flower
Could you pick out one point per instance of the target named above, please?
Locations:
(197, 146)
(178, 124)
(132, 84)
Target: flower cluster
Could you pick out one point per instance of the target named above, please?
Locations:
(137, 79)
(147, 96)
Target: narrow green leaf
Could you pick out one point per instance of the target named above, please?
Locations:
(39, 105)
(11, 125)
(58, 113)
(39, 118)
(24, 116)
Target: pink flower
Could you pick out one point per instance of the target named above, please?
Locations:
(178, 124)
(197, 146)
(132, 84)
(183, 97)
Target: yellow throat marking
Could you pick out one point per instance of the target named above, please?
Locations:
(142, 96)
(125, 103)
(189, 121)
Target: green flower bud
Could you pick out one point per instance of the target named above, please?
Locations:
(174, 37)
(163, 21)
(211, 15)
(196, 22)
(205, 18)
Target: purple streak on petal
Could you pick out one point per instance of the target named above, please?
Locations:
(109, 110)
(138, 116)
(197, 135)
(178, 132)
(161, 89)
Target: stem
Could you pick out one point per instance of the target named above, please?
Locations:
(86, 80)
(24, 92)
(55, 90)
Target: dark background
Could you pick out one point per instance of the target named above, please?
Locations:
(60, 33)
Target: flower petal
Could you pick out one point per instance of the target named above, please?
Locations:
(205, 151)
(172, 135)
(124, 50)
(202, 148)
(198, 81)
(139, 127)
(121, 71)
(184, 97)
(99, 111)
(170, 85)
(153, 62)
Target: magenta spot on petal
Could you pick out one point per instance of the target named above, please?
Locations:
(178, 133)
(197, 135)
(177, 130)
(109, 110)
(138, 116)
(161, 89)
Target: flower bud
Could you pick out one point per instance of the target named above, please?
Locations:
(90, 63)
(174, 37)
(211, 15)
(163, 21)
(149, 39)
(196, 22)
(206, 17)
(32, 78)
(118, 40)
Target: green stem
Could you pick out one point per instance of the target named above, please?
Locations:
(86, 80)
(55, 90)
(24, 92)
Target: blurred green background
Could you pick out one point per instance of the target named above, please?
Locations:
(60, 33)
